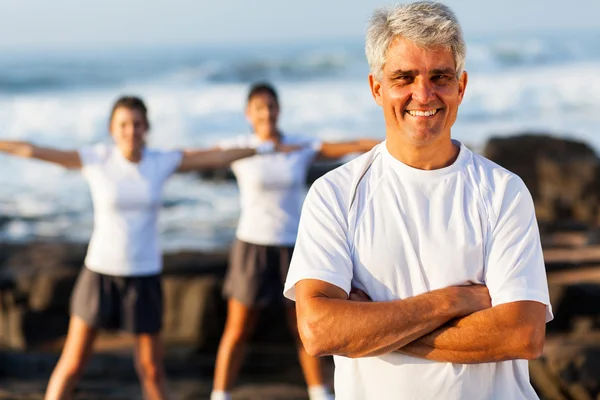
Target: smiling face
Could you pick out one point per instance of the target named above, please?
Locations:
(128, 127)
(419, 93)
(262, 112)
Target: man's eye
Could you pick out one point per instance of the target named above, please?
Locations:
(441, 79)
(403, 78)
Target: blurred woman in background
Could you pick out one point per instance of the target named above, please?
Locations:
(272, 189)
(119, 287)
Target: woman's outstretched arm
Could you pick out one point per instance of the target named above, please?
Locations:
(218, 158)
(341, 149)
(65, 158)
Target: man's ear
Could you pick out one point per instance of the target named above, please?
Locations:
(375, 89)
(462, 84)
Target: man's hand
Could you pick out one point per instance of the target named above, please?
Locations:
(471, 298)
(358, 295)
(450, 343)
(333, 322)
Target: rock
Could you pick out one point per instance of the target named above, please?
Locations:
(38, 278)
(569, 239)
(576, 308)
(563, 176)
(570, 258)
(319, 169)
(193, 311)
(572, 365)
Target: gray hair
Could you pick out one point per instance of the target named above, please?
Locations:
(425, 23)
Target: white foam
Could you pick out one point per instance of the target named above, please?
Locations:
(49, 201)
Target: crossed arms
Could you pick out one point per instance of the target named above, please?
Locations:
(455, 324)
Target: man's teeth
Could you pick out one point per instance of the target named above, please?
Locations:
(416, 113)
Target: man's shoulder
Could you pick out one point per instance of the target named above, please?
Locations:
(498, 186)
(344, 180)
(493, 177)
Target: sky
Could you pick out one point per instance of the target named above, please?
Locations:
(125, 23)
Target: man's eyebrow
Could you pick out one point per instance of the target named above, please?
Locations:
(443, 71)
(400, 72)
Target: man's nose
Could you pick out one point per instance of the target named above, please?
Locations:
(423, 91)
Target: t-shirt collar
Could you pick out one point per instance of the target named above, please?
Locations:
(408, 171)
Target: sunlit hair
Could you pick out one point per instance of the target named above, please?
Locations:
(261, 88)
(425, 23)
(131, 103)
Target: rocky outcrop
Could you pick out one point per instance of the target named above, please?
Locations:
(36, 281)
(569, 368)
(35, 285)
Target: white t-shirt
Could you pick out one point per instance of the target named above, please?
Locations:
(272, 188)
(126, 198)
(396, 232)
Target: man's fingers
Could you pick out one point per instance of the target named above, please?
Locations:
(358, 295)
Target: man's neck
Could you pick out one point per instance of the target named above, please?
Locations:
(436, 155)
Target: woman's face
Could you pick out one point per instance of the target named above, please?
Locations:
(128, 128)
(262, 113)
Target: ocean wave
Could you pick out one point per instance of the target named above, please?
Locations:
(198, 99)
(37, 72)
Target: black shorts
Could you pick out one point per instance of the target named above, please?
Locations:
(257, 273)
(128, 303)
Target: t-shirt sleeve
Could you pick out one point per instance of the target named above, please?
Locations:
(169, 161)
(322, 251)
(315, 144)
(514, 267)
(91, 156)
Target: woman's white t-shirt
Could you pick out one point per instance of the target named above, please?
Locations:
(272, 189)
(127, 198)
(396, 232)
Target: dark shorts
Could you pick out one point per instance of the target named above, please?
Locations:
(128, 303)
(257, 273)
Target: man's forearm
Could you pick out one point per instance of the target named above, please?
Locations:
(362, 329)
(505, 332)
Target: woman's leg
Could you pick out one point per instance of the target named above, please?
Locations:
(149, 366)
(240, 324)
(75, 355)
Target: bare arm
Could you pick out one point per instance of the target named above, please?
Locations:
(341, 149)
(329, 323)
(211, 158)
(218, 158)
(504, 332)
(66, 158)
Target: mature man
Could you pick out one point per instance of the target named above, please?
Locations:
(443, 241)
